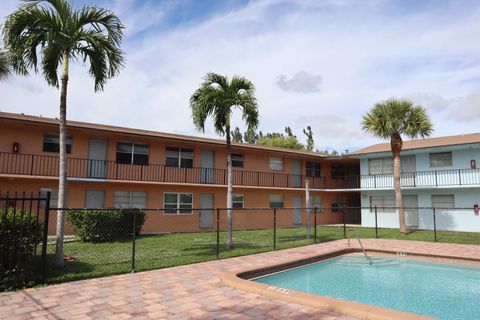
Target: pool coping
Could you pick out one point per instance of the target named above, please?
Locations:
(241, 280)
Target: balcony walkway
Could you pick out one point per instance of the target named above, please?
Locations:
(188, 292)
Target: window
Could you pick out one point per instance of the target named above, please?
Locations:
(132, 153)
(237, 201)
(276, 164)
(380, 166)
(94, 199)
(314, 169)
(443, 201)
(179, 157)
(443, 159)
(128, 199)
(316, 202)
(276, 201)
(237, 160)
(53, 197)
(384, 204)
(337, 204)
(337, 171)
(177, 203)
(51, 143)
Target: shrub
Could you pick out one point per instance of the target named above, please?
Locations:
(105, 225)
(20, 233)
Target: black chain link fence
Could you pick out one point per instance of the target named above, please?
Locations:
(101, 242)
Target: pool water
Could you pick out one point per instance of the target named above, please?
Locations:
(445, 291)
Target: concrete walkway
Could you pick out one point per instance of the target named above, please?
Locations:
(187, 292)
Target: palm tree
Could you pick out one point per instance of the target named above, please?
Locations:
(218, 96)
(390, 119)
(5, 69)
(60, 33)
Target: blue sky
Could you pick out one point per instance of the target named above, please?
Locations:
(319, 63)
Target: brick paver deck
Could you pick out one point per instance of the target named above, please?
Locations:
(187, 292)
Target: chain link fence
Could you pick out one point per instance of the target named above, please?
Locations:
(100, 242)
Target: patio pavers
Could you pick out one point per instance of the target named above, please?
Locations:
(188, 292)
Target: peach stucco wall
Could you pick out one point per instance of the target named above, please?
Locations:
(30, 139)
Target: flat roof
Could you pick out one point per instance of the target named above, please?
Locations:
(455, 140)
(153, 134)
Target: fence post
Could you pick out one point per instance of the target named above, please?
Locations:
(274, 228)
(133, 241)
(315, 225)
(376, 223)
(45, 237)
(218, 233)
(434, 226)
(344, 224)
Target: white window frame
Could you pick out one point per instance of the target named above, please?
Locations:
(316, 201)
(242, 201)
(437, 163)
(131, 195)
(385, 204)
(53, 197)
(443, 201)
(385, 166)
(339, 205)
(179, 156)
(279, 196)
(178, 210)
(276, 164)
(238, 156)
(132, 152)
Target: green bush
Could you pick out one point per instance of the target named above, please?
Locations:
(20, 233)
(105, 225)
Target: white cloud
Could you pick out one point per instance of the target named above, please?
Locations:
(302, 81)
(468, 108)
(433, 102)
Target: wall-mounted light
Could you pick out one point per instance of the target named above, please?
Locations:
(16, 147)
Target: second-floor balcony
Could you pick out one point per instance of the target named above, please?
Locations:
(424, 179)
(87, 169)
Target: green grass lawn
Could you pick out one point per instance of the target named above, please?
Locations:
(166, 250)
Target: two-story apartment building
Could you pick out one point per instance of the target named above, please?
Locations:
(436, 172)
(112, 166)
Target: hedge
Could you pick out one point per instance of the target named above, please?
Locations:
(106, 224)
(20, 233)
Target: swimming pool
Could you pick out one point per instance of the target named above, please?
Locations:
(443, 290)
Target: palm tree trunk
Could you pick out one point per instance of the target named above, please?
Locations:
(396, 145)
(229, 187)
(62, 176)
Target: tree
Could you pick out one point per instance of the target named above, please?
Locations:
(390, 119)
(310, 142)
(59, 33)
(218, 96)
(237, 135)
(5, 68)
(281, 141)
(251, 136)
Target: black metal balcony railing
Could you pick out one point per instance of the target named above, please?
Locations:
(41, 165)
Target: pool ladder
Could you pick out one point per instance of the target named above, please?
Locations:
(360, 243)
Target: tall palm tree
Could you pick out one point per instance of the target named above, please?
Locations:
(218, 97)
(60, 33)
(390, 119)
(5, 69)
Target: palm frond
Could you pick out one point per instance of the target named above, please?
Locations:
(5, 65)
(54, 29)
(397, 116)
(218, 96)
